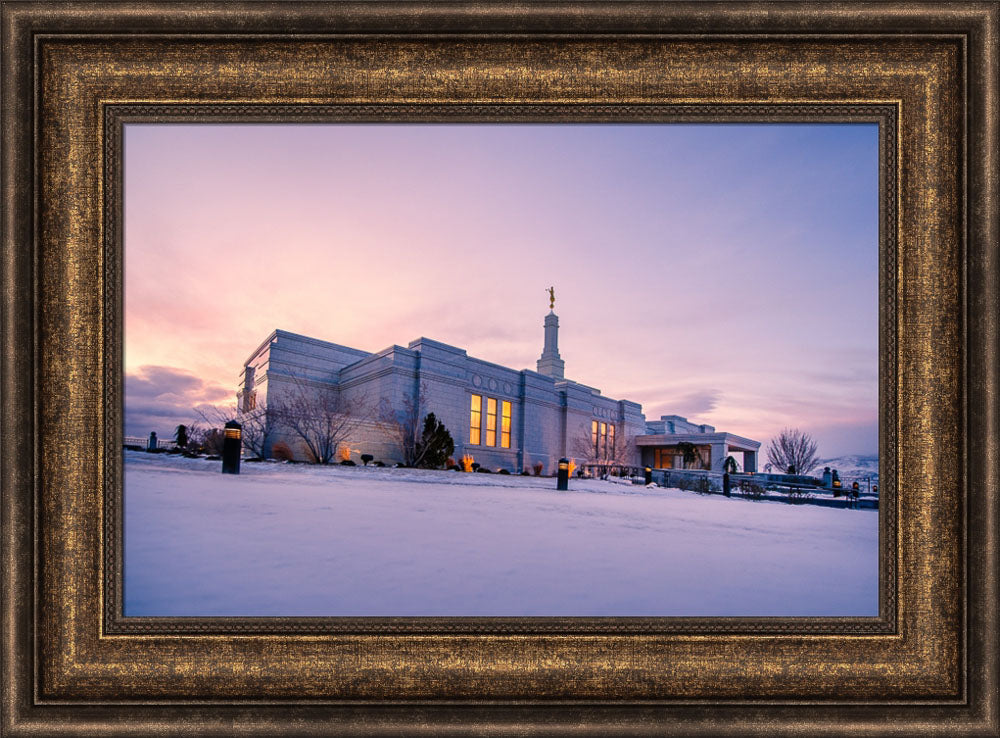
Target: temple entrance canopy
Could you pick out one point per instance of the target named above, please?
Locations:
(667, 450)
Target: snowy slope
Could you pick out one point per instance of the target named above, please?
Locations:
(852, 468)
(298, 540)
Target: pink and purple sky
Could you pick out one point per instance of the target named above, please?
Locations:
(727, 273)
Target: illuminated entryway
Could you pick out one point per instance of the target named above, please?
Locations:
(696, 450)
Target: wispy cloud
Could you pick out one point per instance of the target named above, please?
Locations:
(693, 404)
(162, 397)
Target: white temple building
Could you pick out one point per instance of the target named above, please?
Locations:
(504, 418)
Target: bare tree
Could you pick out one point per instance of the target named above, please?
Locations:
(319, 416)
(205, 439)
(624, 452)
(582, 447)
(214, 417)
(403, 426)
(619, 451)
(259, 428)
(258, 425)
(399, 427)
(792, 449)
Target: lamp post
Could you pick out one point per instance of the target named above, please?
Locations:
(563, 479)
(648, 475)
(232, 443)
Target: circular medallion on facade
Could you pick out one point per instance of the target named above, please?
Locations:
(477, 381)
(493, 384)
(507, 388)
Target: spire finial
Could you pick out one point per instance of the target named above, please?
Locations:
(549, 362)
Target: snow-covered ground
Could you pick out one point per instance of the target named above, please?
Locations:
(299, 540)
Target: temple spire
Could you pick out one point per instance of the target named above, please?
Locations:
(550, 363)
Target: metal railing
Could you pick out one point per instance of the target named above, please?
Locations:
(143, 442)
(700, 480)
(636, 474)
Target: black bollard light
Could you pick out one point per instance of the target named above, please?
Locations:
(563, 483)
(648, 475)
(232, 444)
(726, 488)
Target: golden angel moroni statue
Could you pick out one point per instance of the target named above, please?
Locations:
(552, 297)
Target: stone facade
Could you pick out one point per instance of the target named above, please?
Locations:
(550, 416)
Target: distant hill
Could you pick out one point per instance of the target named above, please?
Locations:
(851, 467)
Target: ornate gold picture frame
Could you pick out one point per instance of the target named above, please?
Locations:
(73, 74)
